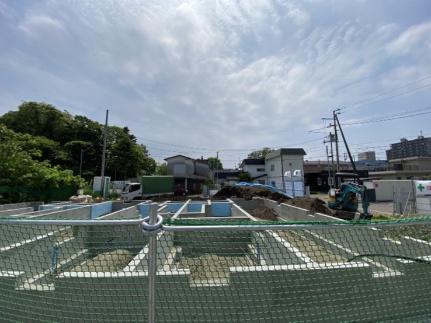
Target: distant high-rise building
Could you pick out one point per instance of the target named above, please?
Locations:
(367, 155)
(420, 147)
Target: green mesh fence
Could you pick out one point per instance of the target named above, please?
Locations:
(229, 272)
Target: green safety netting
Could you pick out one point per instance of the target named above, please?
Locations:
(353, 272)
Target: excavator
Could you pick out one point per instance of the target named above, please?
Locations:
(344, 199)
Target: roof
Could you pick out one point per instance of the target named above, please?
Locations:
(228, 173)
(253, 161)
(167, 158)
(285, 151)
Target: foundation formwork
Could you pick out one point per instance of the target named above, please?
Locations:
(272, 274)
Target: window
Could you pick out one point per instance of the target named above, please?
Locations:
(272, 168)
(134, 187)
(273, 183)
(179, 169)
(260, 169)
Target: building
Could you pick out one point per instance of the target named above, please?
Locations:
(227, 177)
(420, 147)
(316, 173)
(418, 168)
(256, 169)
(284, 166)
(189, 173)
(367, 155)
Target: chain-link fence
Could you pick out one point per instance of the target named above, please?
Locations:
(205, 271)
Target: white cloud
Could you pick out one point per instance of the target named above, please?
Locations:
(208, 74)
(415, 36)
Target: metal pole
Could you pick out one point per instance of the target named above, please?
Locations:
(217, 169)
(282, 173)
(80, 164)
(336, 139)
(347, 147)
(332, 160)
(329, 169)
(103, 155)
(152, 269)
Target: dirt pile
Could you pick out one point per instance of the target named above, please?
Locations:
(248, 193)
(313, 204)
(264, 213)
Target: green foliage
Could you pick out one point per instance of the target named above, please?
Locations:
(214, 163)
(244, 177)
(259, 154)
(58, 138)
(162, 169)
(26, 178)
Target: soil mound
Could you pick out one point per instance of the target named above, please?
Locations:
(312, 204)
(264, 213)
(248, 193)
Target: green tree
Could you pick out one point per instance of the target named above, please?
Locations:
(244, 177)
(24, 178)
(59, 138)
(162, 169)
(259, 154)
(215, 163)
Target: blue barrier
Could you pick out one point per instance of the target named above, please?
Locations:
(100, 209)
(174, 207)
(144, 209)
(194, 207)
(221, 209)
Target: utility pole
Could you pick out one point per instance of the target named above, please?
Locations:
(103, 155)
(347, 147)
(334, 115)
(217, 161)
(331, 169)
(80, 163)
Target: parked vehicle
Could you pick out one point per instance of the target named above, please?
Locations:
(148, 187)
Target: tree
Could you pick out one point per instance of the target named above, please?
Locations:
(215, 163)
(244, 177)
(26, 178)
(162, 169)
(259, 154)
(59, 138)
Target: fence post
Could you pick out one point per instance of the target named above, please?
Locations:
(152, 267)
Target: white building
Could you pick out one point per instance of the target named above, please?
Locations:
(256, 169)
(285, 169)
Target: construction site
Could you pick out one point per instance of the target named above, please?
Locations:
(219, 260)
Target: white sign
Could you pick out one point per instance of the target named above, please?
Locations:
(423, 188)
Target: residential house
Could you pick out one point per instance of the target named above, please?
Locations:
(285, 167)
(256, 169)
(190, 174)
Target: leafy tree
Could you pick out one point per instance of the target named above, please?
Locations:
(162, 169)
(59, 138)
(244, 177)
(26, 178)
(259, 154)
(214, 163)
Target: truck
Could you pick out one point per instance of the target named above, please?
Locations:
(148, 187)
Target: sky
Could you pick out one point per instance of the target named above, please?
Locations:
(201, 77)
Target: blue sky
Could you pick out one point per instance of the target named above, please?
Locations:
(196, 77)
